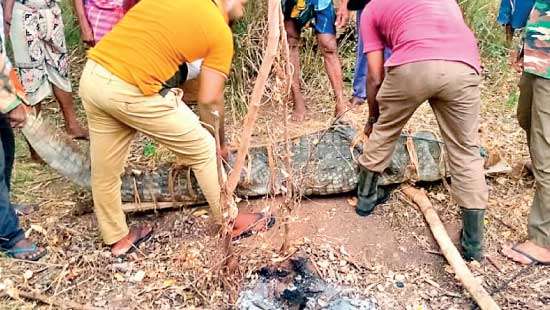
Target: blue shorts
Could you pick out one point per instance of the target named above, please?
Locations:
(323, 20)
(515, 12)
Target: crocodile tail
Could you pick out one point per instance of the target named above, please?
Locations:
(57, 150)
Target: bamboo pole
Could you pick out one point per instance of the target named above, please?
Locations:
(257, 93)
(474, 287)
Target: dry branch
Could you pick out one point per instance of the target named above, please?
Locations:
(145, 206)
(479, 294)
(52, 301)
(257, 93)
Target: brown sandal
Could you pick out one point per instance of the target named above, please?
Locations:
(260, 223)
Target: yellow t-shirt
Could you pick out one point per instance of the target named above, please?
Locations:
(155, 37)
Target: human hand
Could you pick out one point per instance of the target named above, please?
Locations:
(369, 125)
(87, 35)
(516, 61)
(342, 16)
(223, 152)
(18, 116)
(7, 27)
(368, 129)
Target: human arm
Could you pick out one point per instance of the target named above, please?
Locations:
(210, 102)
(11, 93)
(8, 10)
(86, 33)
(375, 77)
(342, 15)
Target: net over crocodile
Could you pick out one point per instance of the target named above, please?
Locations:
(323, 163)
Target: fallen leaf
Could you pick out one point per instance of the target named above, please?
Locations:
(119, 277)
(200, 212)
(138, 276)
(352, 201)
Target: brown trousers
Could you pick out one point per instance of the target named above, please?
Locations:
(534, 118)
(452, 89)
(116, 110)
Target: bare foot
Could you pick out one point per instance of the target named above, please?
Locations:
(136, 235)
(520, 253)
(248, 223)
(77, 133)
(299, 114)
(356, 101)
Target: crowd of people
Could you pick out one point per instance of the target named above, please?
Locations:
(408, 53)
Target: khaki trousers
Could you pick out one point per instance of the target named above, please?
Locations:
(116, 110)
(452, 89)
(534, 118)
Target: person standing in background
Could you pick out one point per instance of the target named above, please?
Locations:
(513, 15)
(13, 113)
(41, 57)
(97, 17)
(534, 117)
(361, 67)
(298, 14)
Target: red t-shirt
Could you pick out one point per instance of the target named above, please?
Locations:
(417, 30)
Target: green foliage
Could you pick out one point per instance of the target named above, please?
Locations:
(72, 29)
(512, 99)
(150, 149)
(481, 17)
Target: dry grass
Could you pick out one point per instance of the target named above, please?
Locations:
(178, 262)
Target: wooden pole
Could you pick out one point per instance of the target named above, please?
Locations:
(257, 93)
(474, 287)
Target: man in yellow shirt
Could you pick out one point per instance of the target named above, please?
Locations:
(124, 90)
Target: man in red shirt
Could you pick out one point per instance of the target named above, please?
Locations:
(435, 59)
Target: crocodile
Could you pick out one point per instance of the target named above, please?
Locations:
(322, 163)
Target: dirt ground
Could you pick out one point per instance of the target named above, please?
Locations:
(178, 267)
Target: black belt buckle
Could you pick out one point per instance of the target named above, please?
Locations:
(164, 91)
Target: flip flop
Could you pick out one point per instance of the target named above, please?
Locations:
(136, 243)
(13, 252)
(250, 231)
(24, 209)
(534, 261)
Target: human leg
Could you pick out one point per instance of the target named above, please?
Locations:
(400, 95)
(361, 70)
(329, 49)
(534, 117)
(457, 107)
(66, 104)
(10, 232)
(109, 146)
(539, 147)
(293, 37)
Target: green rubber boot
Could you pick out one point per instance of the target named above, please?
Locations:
(472, 233)
(369, 194)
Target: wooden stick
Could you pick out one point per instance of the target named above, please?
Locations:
(52, 301)
(479, 294)
(145, 206)
(257, 93)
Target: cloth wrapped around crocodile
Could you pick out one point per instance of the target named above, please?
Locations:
(323, 163)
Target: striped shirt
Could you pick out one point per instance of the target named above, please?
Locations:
(103, 15)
